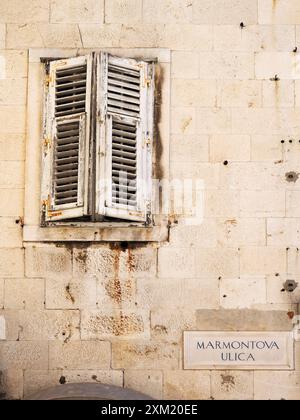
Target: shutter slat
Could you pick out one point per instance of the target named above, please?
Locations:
(125, 97)
(123, 163)
(68, 102)
(122, 104)
(123, 90)
(66, 163)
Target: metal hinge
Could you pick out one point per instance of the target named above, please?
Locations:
(47, 143)
(48, 80)
(147, 141)
(148, 83)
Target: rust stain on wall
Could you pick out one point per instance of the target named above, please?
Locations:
(157, 143)
(69, 294)
(228, 381)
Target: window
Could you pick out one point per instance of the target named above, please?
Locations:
(98, 139)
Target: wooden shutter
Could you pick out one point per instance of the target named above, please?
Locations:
(124, 138)
(66, 139)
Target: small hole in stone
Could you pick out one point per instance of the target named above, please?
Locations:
(17, 221)
(62, 380)
(282, 141)
(277, 274)
(224, 296)
(291, 141)
(282, 290)
(225, 162)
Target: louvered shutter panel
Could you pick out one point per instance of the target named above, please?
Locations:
(66, 142)
(124, 138)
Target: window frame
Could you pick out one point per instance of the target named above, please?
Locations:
(78, 230)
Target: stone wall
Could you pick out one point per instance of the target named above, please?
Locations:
(109, 314)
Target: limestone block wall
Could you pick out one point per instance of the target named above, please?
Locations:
(112, 314)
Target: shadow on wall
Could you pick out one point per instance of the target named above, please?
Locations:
(88, 391)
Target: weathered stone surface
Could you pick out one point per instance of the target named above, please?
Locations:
(262, 260)
(15, 11)
(280, 94)
(150, 381)
(254, 38)
(285, 64)
(114, 324)
(293, 261)
(189, 148)
(11, 203)
(49, 325)
(178, 262)
(241, 231)
(182, 385)
(179, 68)
(265, 120)
(239, 93)
(266, 148)
(226, 65)
(186, 37)
(12, 146)
(144, 355)
(15, 64)
(217, 262)
(183, 120)
(224, 12)
(243, 320)
(231, 385)
(169, 11)
(194, 92)
(74, 293)
(242, 292)
(75, 11)
(48, 261)
(12, 119)
(2, 35)
(11, 384)
(169, 325)
(278, 11)
(38, 35)
(1, 293)
(292, 203)
(129, 11)
(276, 385)
(24, 294)
(229, 147)
(23, 355)
(11, 262)
(79, 355)
(178, 293)
(99, 36)
(11, 232)
(221, 203)
(114, 262)
(13, 91)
